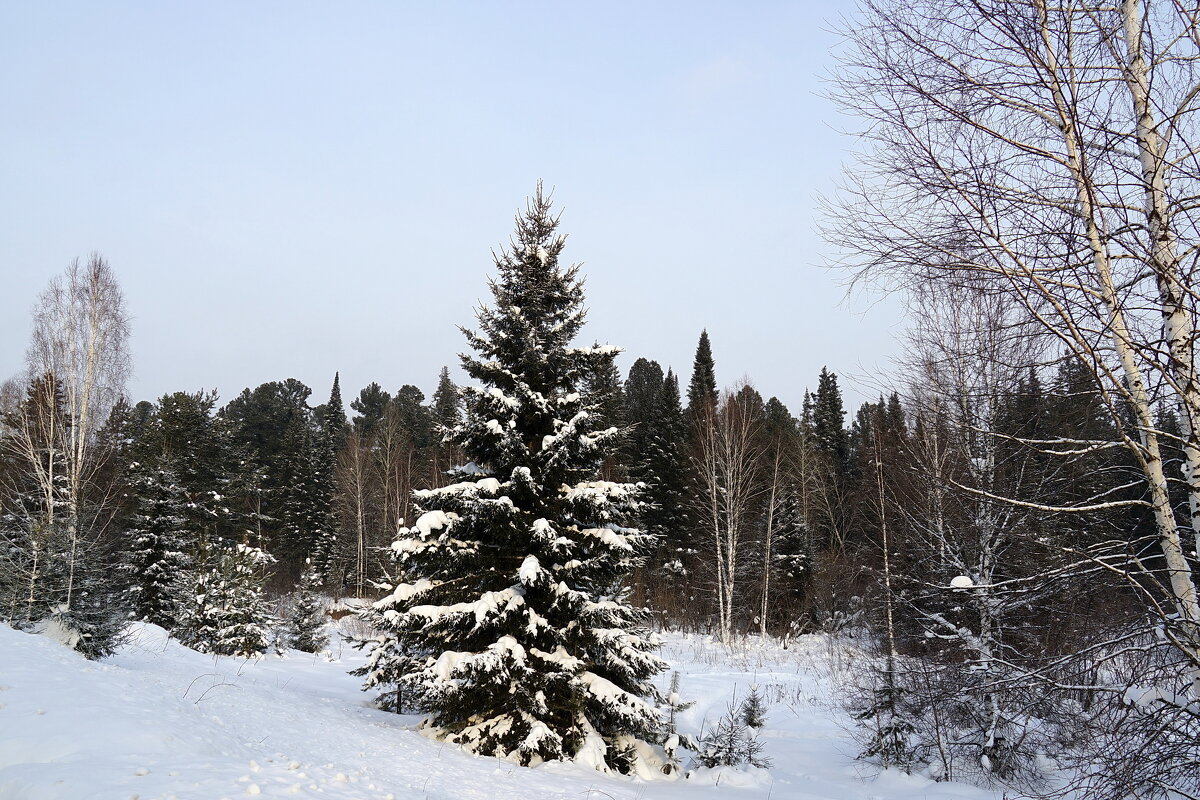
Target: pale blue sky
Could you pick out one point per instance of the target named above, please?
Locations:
(290, 189)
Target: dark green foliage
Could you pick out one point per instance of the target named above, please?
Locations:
(827, 421)
(641, 398)
(791, 553)
(604, 387)
(412, 417)
(275, 429)
(654, 455)
(371, 404)
(702, 389)
(330, 437)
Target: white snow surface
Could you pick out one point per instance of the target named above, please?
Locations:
(160, 721)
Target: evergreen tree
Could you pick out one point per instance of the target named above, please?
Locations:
(306, 623)
(753, 711)
(604, 388)
(829, 435)
(791, 556)
(731, 743)
(447, 413)
(664, 471)
(413, 417)
(331, 438)
(331, 417)
(447, 409)
(275, 427)
(158, 558)
(703, 397)
(371, 404)
(641, 399)
(229, 614)
(184, 435)
(512, 606)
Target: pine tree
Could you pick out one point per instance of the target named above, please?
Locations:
(792, 559)
(730, 743)
(666, 469)
(332, 416)
(274, 426)
(447, 413)
(512, 604)
(604, 388)
(753, 711)
(370, 404)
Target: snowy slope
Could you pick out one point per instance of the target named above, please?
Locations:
(160, 721)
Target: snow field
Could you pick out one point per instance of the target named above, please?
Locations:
(161, 721)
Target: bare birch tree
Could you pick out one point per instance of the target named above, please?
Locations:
(726, 462)
(357, 494)
(1048, 152)
(77, 364)
(81, 338)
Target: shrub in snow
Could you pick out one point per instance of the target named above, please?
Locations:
(228, 613)
(307, 620)
(509, 622)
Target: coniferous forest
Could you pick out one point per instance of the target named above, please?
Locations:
(1006, 536)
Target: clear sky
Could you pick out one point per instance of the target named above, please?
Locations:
(288, 189)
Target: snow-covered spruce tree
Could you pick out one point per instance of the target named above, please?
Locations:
(512, 609)
(157, 557)
(306, 622)
(228, 615)
(753, 710)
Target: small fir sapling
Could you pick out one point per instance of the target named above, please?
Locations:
(754, 709)
(889, 732)
(675, 740)
(731, 743)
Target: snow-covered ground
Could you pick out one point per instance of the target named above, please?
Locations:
(161, 721)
